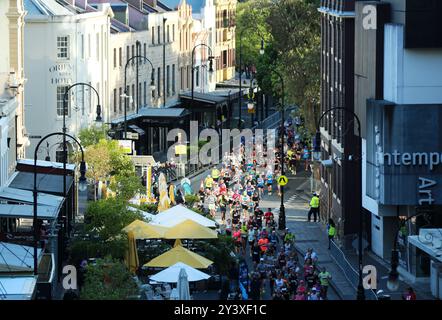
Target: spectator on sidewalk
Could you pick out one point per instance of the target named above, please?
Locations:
(331, 230)
(314, 208)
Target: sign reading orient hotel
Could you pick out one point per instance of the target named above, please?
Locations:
(61, 73)
(428, 159)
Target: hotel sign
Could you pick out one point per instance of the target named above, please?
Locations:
(61, 73)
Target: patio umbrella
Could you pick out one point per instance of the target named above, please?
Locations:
(179, 254)
(164, 201)
(172, 194)
(189, 229)
(144, 230)
(132, 254)
(178, 214)
(172, 273)
(183, 285)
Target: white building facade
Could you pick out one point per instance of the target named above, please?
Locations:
(12, 133)
(63, 48)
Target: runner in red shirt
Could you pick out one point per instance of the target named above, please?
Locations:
(268, 216)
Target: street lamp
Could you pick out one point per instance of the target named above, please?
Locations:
(317, 157)
(210, 58)
(261, 52)
(152, 86)
(82, 186)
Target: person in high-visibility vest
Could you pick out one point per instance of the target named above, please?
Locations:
(331, 231)
(215, 174)
(208, 182)
(314, 208)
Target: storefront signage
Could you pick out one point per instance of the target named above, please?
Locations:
(429, 159)
(61, 73)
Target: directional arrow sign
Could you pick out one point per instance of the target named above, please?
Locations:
(283, 180)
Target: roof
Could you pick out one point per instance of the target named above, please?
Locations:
(196, 5)
(48, 164)
(27, 211)
(16, 258)
(49, 183)
(17, 287)
(25, 196)
(136, 16)
(46, 8)
(155, 113)
(204, 97)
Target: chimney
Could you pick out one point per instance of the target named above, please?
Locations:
(136, 3)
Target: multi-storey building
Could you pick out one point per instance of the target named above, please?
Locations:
(64, 46)
(340, 195)
(225, 39)
(12, 130)
(398, 96)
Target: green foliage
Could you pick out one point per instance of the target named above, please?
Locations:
(92, 247)
(148, 207)
(218, 250)
(127, 186)
(191, 199)
(92, 135)
(107, 217)
(109, 279)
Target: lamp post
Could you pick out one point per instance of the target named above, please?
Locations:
(82, 187)
(98, 119)
(261, 52)
(152, 86)
(210, 58)
(317, 157)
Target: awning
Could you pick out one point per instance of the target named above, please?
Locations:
(49, 183)
(155, 113)
(46, 164)
(25, 196)
(206, 98)
(429, 241)
(27, 211)
(16, 258)
(17, 287)
(137, 129)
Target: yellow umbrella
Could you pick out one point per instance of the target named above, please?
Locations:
(189, 229)
(172, 194)
(132, 254)
(144, 230)
(179, 254)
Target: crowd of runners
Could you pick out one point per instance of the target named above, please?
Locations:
(267, 258)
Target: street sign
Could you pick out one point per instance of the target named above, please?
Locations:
(132, 136)
(126, 145)
(283, 180)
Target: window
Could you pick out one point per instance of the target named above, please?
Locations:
(133, 96)
(182, 78)
(173, 32)
(120, 106)
(145, 93)
(127, 54)
(168, 80)
(61, 90)
(153, 35)
(159, 82)
(89, 45)
(159, 34)
(153, 78)
(188, 75)
(63, 47)
(120, 58)
(98, 46)
(115, 100)
(82, 46)
(115, 58)
(145, 51)
(133, 53)
(197, 77)
(139, 95)
(173, 79)
(168, 34)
